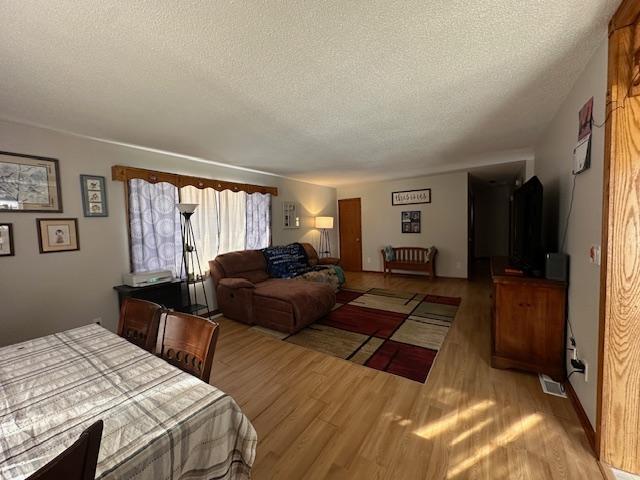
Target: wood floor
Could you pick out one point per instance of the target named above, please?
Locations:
(322, 417)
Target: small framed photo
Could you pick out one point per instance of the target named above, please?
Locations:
(6, 240)
(57, 234)
(94, 196)
(411, 221)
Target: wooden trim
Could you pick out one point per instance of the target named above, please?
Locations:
(124, 174)
(611, 63)
(626, 15)
(618, 409)
(582, 415)
(607, 472)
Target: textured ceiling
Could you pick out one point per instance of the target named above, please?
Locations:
(331, 92)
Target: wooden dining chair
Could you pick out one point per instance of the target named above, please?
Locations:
(189, 342)
(78, 462)
(139, 321)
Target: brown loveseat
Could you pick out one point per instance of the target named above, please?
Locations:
(246, 293)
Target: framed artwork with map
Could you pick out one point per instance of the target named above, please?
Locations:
(29, 183)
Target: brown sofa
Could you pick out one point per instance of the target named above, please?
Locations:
(246, 293)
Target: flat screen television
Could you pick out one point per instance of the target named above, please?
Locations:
(526, 250)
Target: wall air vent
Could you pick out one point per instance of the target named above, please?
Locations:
(551, 387)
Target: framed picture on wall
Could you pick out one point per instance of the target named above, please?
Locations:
(94, 196)
(411, 197)
(6, 240)
(57, 234)
(29, 183)
(410, 221)
(290, 218)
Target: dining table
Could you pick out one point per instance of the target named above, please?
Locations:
(159, 422)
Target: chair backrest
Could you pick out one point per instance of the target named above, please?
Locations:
(139, 321)
(78, 462)
(189, 342)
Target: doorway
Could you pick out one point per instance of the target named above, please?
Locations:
(350, 225)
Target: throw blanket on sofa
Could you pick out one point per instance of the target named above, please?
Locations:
(332, 275)
(286, 261)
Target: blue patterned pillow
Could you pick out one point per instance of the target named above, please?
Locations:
(389, 254)
(286, 261)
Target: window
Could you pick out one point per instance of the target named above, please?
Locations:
(223, 222)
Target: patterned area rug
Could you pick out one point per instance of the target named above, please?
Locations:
(396, 332)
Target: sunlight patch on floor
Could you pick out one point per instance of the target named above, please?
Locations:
(507, 436)
(466, 434)
(439, 426)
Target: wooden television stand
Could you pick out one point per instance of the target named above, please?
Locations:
(528, 322)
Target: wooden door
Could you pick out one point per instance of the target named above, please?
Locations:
(350, 224)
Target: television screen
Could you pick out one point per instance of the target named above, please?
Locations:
(526, 250)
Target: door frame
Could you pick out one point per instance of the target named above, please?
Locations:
(340, 229)
(618, 408)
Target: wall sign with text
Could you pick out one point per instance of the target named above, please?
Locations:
(411, 197)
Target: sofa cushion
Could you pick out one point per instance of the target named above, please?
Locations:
(309, 301)
(249, 264)
(286, 261)
(312, 255)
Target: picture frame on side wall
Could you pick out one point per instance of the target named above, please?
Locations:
(29, 183)
(57, 234)
(94, 196)
(6, 240)
(290, 218)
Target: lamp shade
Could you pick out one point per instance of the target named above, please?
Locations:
(324, 222)
(186, 207)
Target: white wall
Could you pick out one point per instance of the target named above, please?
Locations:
(444, 220)
(553, 166)
(45, 293)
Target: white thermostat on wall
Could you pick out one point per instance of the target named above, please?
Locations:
(581, 155)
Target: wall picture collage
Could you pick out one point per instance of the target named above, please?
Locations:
(410, 221)
(31, 184)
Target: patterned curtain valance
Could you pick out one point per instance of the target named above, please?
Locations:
(124, 174)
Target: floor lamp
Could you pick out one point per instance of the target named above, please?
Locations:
(324, 224)
(191, 260)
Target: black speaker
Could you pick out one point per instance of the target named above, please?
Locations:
(557, 267)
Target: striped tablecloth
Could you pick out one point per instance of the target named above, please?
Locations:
(159, 423)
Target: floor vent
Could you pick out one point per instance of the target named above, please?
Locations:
(551, 387)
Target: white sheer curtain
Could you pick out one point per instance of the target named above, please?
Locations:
(154, 226)
(204, 221)
(232, 221)
(223, 222)
(258, 231)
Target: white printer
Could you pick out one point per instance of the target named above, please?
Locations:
(143, 279)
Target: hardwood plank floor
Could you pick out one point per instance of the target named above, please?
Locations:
(322, 417)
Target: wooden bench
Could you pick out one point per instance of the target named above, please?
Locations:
(412, 258)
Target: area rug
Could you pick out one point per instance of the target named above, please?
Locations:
(396, 332)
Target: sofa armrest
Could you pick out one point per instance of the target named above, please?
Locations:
(235, 283)
(329, 261)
